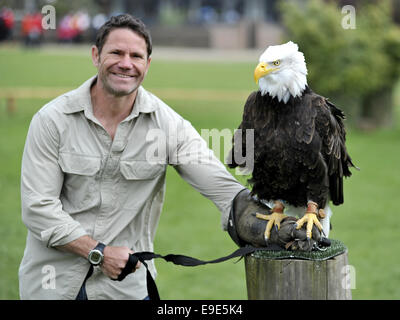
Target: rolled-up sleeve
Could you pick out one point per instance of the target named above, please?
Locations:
(41, 183)
(198, 166)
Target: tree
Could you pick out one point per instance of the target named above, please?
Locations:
(357, 68)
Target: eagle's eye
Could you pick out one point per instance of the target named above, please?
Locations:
(276, 63)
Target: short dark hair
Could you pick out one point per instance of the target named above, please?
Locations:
(123, 21)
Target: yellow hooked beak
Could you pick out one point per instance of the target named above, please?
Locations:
(261, 71)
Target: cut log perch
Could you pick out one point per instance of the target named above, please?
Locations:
(11, 105)
(295, 279)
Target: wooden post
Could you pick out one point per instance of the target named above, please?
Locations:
(11, 106)
(294, 279)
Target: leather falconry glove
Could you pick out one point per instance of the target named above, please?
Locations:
(245, 228)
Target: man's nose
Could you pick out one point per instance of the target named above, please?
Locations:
(125, 62)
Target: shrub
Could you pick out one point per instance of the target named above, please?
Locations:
(347, 65)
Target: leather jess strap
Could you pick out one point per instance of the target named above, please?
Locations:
(176, 259)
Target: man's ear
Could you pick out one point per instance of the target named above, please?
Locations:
(95, 56)
(148, 65)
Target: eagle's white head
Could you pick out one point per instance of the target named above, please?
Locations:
(282, 71)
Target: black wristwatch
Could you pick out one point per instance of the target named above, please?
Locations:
(96, 255)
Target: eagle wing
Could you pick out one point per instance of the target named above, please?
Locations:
(329, 124)
(239, 146)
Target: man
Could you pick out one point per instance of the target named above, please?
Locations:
(92, 183)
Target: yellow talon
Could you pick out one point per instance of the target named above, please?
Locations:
(311, 219)
(274, 218)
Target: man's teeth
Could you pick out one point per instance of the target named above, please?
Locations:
(122, 75)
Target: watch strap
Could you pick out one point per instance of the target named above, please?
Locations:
(100, 246)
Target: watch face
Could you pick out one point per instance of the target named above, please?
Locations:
(95, 257)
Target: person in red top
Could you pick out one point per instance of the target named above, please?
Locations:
(6, 23)
(32, 28)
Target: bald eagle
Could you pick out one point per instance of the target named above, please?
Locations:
(300, 156)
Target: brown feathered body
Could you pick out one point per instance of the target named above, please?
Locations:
(299, 149)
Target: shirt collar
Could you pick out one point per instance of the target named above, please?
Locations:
(80, 100)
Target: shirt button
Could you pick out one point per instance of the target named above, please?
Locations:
(118, 146)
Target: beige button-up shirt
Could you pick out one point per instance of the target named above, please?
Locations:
(76, 181)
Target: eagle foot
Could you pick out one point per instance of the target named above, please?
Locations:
(311, 218)
(274, 219)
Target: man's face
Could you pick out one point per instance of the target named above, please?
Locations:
(122, 63)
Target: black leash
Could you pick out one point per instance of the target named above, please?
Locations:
(176, 259)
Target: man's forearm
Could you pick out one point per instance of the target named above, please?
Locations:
(115, 258)
(80, 246)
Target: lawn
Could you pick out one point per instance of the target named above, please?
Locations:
(215, 92)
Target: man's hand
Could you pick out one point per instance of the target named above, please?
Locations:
(115, 259)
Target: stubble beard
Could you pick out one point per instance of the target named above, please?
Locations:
(113, 91)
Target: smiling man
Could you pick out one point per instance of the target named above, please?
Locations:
(90, 194)
(124, 62)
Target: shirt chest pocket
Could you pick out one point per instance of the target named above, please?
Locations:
(81, 188)
(138, 182)
(141, 169)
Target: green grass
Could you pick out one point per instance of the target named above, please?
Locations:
(35, 68)
(367, 223)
